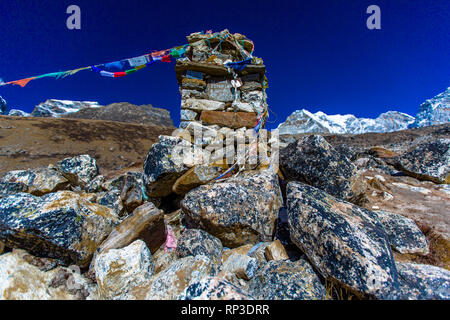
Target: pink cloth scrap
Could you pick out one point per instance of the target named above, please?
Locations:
(171, 240)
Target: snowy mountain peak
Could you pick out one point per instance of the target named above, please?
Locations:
(302, 121)
(3, 106)
(434, 111)
(57, 108)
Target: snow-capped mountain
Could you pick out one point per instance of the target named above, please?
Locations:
(434, 111)
(18, 113)
(3, 106)
(303, 121)
(58, 108)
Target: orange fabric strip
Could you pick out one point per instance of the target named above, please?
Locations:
(22, 82)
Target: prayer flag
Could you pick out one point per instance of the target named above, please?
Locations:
(138, 61)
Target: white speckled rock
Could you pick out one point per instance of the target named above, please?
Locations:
(161, 170)
(403, 233)
(195, 242)
(239, 210)
(118, 271)
(427, 161)
(213, 288)
(62, 225)
(38, 181)
(83, 168)
(286, 280)
(188, 115)
(423, 282)
(312, 160)
(345, 242)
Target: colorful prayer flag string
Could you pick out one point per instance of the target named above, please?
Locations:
(115, 69)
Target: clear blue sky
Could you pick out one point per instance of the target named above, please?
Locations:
(319, 54)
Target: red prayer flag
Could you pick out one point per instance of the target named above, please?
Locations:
(166, 58)
(119, 74)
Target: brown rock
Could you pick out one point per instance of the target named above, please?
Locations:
(163, 259)
(382, 153)
(233, 120)
(275, 251)
(146, 223)
(239, 250)
(213, 70)
(195, 177)
(193, 84)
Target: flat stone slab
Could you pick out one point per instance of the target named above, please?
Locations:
(233, 120)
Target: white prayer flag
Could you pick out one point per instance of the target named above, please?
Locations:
(138, 61)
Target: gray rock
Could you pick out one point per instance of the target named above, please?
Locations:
(213, 288)
(202, 104)
(61, 225)
(423, 282)
(198, 242)
(312, 160)
(80, 169)
(131, 190)
(112, 200)
(251, 86)
(37, 181)
(188, 115)
(95, 185)
(252, 96)
(344, 242)
(161, 170)
(286, 280)
(427, 161)
(243, 266)
(403, 233)
(219, 90)
(238, 211)
(188, 94)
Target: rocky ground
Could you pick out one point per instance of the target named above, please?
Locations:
(343, 218)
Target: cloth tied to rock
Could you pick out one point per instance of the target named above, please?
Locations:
(240, 65)
(171, 240)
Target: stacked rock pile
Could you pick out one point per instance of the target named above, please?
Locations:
(221, 83)
(223, 105)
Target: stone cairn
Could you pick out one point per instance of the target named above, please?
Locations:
(223, 96)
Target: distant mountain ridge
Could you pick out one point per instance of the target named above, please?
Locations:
(303, 121)
(58, 108)
(126, 112)
(122, 112)
(433, 111)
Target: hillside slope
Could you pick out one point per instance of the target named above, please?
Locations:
(34, 142)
